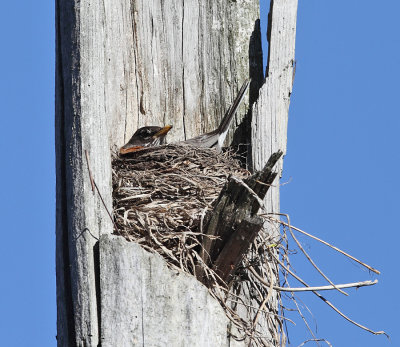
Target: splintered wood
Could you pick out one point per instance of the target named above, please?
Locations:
(161, 194)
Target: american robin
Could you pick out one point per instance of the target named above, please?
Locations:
(215, 139)
(154, 136)
(146, 137)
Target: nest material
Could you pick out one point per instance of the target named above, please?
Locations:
(161, 196)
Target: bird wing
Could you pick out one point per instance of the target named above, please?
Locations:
(217, 137)
(208, 140)
(226, 121)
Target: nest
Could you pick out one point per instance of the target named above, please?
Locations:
(161, 196)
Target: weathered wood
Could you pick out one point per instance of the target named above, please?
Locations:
(122, 64)
(235, 204)
(236, 247)
(269, 131)
(238, 226)
(80, 125)
(126, 63)
(270, 111)
(159, 306)
(177, 62)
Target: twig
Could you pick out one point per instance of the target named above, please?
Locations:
(90, 233)
(299, 230)
(310, 260)
(322, 241)
(345, 285)
(251, 191)
(303, 317)
(104, 204)
(310, 289)
(328, 302)
(94, 185)
(271, 286)
(90, 172)
(315, 340)
(229, 293)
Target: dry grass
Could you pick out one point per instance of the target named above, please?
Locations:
(160, 197)
(161, 194)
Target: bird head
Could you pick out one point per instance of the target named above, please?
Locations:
(149, 136)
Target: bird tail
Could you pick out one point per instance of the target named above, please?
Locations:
(226, 121)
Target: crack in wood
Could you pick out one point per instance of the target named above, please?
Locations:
(63, 269)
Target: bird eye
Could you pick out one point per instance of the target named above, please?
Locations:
(145, 132)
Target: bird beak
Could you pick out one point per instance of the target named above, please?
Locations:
(129, 149)
(163, 131)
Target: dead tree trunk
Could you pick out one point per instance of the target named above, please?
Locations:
(122, 64)
(269, 133)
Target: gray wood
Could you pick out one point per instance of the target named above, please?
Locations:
(176, 62)
(159, 306)
(270, 111)
(236, 247)
(122, 64)
(80, 125)
(269, 122)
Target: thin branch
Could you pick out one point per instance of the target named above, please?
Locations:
(303, 317)
(105, 206)
(345, 285)
(271, 286)
(240, 302)
(322, 241)
(299, 230)
(328, 302)
(94, 185)
(90, 172)
(310, 260)
(310, 289)
(315, 340)
(251, 191)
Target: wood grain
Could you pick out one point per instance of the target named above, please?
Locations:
(122, 64)
(145, 303)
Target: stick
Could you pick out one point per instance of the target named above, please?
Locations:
(94, 185)
(322, 241)
(310, 260)
(299, 230)
(329, 303)
(310, 289)
(90, 172)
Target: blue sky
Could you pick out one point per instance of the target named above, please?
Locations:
(342, 164)
(27, 293)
